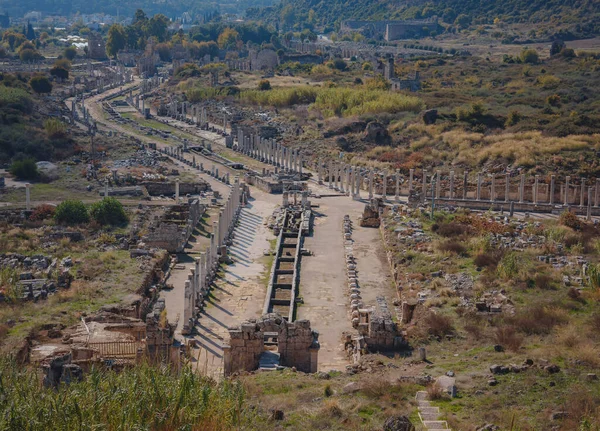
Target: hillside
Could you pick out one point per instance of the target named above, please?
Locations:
(579, 17)
(169, 8)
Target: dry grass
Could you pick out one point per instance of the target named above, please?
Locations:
(507, 337)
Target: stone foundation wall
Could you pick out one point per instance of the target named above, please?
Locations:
(167, 189)
(175, 228)
(298, 344)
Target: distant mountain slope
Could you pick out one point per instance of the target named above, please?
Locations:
(581, 17)
(170, 8)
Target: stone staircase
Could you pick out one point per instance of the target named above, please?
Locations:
(429, 415)
(268, 361)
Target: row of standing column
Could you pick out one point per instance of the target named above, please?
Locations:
(269, 151)
(197, 286)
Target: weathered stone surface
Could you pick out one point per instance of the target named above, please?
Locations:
(376, 133)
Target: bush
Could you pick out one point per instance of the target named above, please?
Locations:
(55, 128)
(538, 319)
(513, 118)
(70, 52)
(569, 219)
(452, 229)
(71, 212)
(40, 84)
(108, 211)
(438, 325)
(487, 259)
(543, 281)
(42, 212)
(25, 169)
(530, 56)
(452, 247)
(59, 72)
(264, 85)
(507, 337)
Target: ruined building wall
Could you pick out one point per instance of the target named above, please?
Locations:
(298, 344)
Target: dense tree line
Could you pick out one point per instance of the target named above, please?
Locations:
(580, 17)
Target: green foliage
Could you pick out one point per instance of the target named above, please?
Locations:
(264, 85)
(338, 64)
(513, 118)
(59, 72)
(55, 128)
(15, 98)
(25, 169)
(28, 55)
(108, 211)
(593, 273)
(553, 100)
(530, 56)
(40, 84)
(228, 38)
(508, 268)
(143, 397)
(116, 40)
(334, 101)
(71, 212)
(70, 53)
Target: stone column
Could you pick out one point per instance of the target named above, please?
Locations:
(424, 184)
(384, 190)
(552, 186)
(438, 185)
(522, 189)
(589, 204)
(493, 189)
(535, 189)
(330, 175)
(582, 197)
(506, 187)
(397, 196)
(27, 196)
(319, 178)
(300, 163)
(106, 187)
(344, 177)
(465, 184)
(567, 179)
(202, 274)
(177, 190)
(479, 186)
(358, 181)
(411, 174)
(370, 184)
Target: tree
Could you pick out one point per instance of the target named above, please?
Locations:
(157, 26)
(40, 84)
(30, 32)
(164, 51)
(227, 38)
(557, 46)
(116, 40)
(25, 169)
(462, 21)
(59, 72)
(139, 18)
(530, 56)
(70, 52)
(108, 211)
(71, 212)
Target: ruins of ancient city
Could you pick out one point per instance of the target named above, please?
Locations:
(273, 222)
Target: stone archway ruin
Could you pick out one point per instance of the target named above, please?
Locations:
(297, 344)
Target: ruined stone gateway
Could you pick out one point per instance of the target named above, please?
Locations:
(295, 343)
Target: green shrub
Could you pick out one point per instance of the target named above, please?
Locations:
(25, 169)
(70, 52)
(108, 211)
(513, 118)
(264, 85)
(141, 397)
(40, 84)
(55, 128)
(71, 212)
(530, 56)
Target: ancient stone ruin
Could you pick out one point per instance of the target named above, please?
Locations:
(295, 343)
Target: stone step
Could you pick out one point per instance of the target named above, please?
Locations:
(421, 396)
(429, 416)
(423, 404)
(435, 425)
(435, 410)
